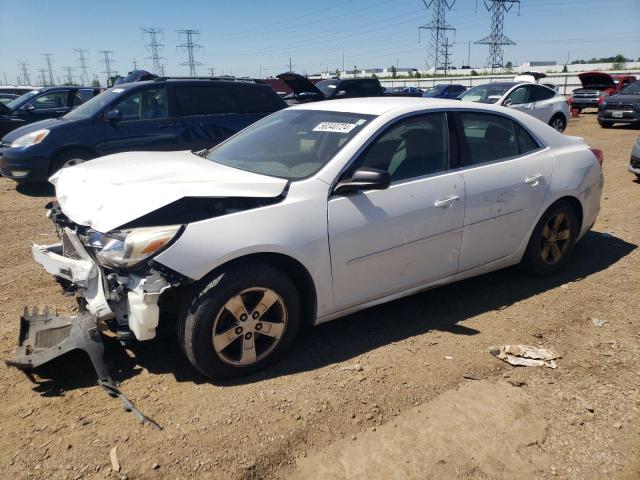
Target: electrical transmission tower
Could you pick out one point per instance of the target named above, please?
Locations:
(154, 47)
(496, 39)
(25, 73)
(190, 48)
(135, 64)
(107, 63)
(69, 75)
(84, 74)
(439, 28)
(48, 57)
(43, 78)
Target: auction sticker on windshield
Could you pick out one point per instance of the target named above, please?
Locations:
(335, 127)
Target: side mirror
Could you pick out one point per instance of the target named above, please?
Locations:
(507, 102)
(29, 108)
(113, 115)
(341, 93)
(364, 179)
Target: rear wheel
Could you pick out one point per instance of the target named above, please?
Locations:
(553, 240)
(558, 122)
(241, 322)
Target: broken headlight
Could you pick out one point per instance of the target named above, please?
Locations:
(126, 248)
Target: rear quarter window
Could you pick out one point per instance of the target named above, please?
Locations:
(203, 100)
(256, 99)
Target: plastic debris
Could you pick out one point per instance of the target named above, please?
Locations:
(113, 456)
(524, 355)
(598, 322)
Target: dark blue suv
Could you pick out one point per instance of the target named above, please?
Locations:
(161, 114)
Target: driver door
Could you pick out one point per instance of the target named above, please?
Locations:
(520, 99)
(48, 105)
(388, 241)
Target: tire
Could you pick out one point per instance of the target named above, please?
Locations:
(558, 122)
(548, 251)
(605, 124)
(207, 320)
(69, 158)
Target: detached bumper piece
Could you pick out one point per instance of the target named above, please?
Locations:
(45, 336)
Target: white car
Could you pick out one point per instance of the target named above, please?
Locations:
(539, 101)
(310, 214)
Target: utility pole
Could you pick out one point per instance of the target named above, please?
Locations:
(69, 75)
(84, 75)
(190, 47)
(48, 57)
(154, 47)
(25, 74)
(446, 56)
(212, 72)
(107, 63)
(496, 39)
(438, 46)
(135, 64)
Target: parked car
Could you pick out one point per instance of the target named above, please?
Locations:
(634, 165)
(304, 90)
(596, 86)
(623, 107)
(445, 90)
(536, 100)
(310, 214)
(403, 92)
(15, 89)
(7, 97)
(41, 103)
(162, 114)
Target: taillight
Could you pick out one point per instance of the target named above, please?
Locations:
(598, 154)
(570, 100)
(602, 98)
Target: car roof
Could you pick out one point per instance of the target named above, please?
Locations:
(381, 105)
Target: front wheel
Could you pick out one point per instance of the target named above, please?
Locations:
(605, 124)
(68, 159)
(241, 322)
(553, 240)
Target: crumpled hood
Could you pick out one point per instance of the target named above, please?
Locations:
(111, 191)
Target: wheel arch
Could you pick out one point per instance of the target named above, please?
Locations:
(70, 148)
(298, 273)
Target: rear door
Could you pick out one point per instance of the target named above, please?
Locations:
(507, 174)
(543, 99)
(206, 115)
(254, 102)
(144, 123)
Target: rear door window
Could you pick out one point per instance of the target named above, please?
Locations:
(203, 100)
(540, 93)
(255, 99)
(82, 95)
(488, 137)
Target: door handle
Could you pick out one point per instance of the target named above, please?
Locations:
(534, 180)
(166, 126)
(446, 202)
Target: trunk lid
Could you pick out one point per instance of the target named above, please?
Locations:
(299, 84)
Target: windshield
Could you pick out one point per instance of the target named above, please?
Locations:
(22, 100)
(633, 89)
(489, 93)
(95, 105)
(290, 144)
(327, 86)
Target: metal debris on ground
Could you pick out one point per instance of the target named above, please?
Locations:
(524, 355)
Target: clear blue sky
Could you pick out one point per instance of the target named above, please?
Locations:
(239, 36)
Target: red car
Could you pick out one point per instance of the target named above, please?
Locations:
(596, 86)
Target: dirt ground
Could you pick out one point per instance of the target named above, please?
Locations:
(380, 394)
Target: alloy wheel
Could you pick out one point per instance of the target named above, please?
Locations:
(249, 326)
(558, 124)
(556, 236)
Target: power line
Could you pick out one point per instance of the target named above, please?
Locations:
(190, 48)
(154, 47)
(25, 73)
(48, 57)
(84, 74)
(496, 39)
(439, 28)
(107, 63)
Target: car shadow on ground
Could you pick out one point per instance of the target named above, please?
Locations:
(36, 189)
(442, 309)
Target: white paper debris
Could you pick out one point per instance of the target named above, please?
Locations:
(524, 355)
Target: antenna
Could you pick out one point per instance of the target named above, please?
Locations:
(107, 63)
(439, 44)
(154, 47)
(190, 48)
(25, 73)
(84, 74)
(496, 39)
(48, 57)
